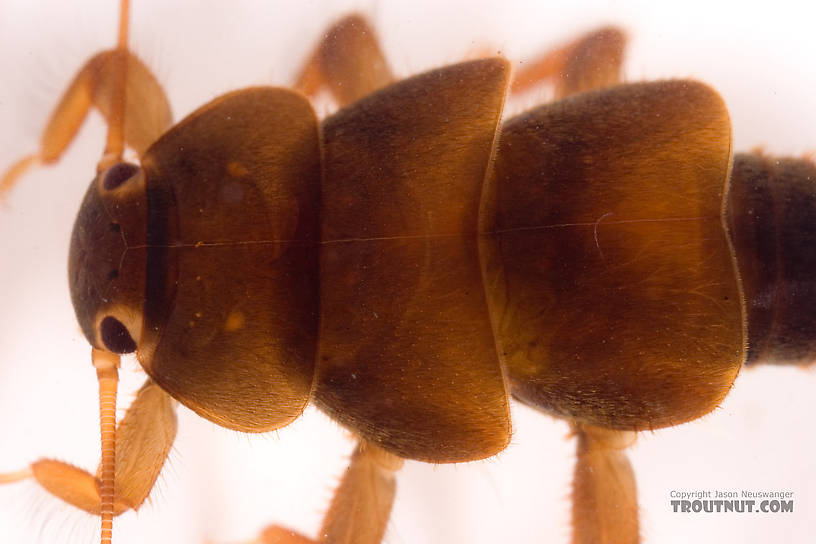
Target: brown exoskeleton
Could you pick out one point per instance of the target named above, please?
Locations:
(601, 223)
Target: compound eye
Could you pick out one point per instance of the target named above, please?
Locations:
(115, 336)
(119, 174)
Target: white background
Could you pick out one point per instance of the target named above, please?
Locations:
(222, 486)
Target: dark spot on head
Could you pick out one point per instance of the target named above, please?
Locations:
(118, 174)
(114, 227)
(115, 336)
(113, 274)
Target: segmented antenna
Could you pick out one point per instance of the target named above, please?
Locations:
(115, 144)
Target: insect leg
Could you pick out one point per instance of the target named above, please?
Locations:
(143, 440)
(348, 61)
(362, 502)
(604, 496)
(590, 62)
(147, 111)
